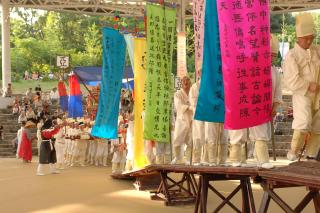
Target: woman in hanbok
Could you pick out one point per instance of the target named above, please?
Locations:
(25, 151)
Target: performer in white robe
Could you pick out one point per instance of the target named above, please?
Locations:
(102, 152)
(119, 155)
(75, 135)
(198, 127)
(60, 146)
(301, 74)
(130, 141)
(81, 144)
(183, 124)
(261, 134)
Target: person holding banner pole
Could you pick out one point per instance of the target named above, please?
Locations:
(217, 143)
(198, 127)
(261, 134)
(301, 74)
(182, 130)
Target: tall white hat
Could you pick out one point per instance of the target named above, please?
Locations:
(305, 25)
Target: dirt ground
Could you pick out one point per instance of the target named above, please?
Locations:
(92, 190)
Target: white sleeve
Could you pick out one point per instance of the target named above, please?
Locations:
(292, 76)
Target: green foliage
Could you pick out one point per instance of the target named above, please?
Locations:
(37, 37)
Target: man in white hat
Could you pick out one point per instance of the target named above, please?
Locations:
(301, 74)
(261, 134)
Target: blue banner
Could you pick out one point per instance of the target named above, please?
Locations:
(210, 106)
(75, 106)
(64, 103)
(114, 53)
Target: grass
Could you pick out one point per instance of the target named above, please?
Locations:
(22, 86)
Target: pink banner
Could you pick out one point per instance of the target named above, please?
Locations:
(198, 18)
(246, 62)
(181, 55)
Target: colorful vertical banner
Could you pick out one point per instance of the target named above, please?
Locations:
(161, 25)
(140, 62)
(129, 41)
(181, 55)
(198, 18)
(114, 53)
(245, 48)
(63, 96)
(75, 98)
(210, 106)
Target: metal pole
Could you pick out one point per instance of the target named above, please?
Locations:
(86, 87)
(273, 142)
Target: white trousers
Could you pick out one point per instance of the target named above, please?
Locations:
(261, 132)
(215, 133)
(60, 151)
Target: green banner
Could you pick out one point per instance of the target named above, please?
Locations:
(161, 29)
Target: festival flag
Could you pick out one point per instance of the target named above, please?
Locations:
(182, 55)
(198, 20)
(246, 62)
(63, 96)
(75, 98)
(161, 25)
(210, 106)
(129, 41)
(140, 53)
(114, 53)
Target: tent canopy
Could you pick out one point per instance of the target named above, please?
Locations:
(92, 76)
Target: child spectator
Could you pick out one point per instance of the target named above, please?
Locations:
(1, 133)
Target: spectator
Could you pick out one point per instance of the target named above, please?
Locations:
(26, 75)
(35, 76)
(29, 93)
(1, 133)
(40, 113)
(22, 117)
(8, 91)
(15, 109)
(37, 102)
(38, 88)
(14, 143)
(16, 100)
(30, 115)
(51, 76)
(19, 134)
(54, 95)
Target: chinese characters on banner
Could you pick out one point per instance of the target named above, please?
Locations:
(140, 60)
(114, 52)
(161, 29)
(181, 54)
(198, 18)
(245, 48)
(210, 105)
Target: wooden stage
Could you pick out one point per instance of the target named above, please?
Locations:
(189, 189)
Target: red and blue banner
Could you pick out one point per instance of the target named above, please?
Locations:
(63, 96)
(114, 55)
(75, 98)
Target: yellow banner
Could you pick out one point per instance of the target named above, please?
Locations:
(140, 53)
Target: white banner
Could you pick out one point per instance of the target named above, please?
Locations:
(129, 41)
